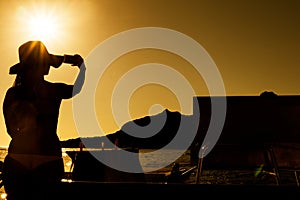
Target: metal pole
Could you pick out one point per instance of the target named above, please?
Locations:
(200, 165)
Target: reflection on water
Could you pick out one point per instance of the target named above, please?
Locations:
(3, 153)
(3, 195)
(67, 160)
(152, 160)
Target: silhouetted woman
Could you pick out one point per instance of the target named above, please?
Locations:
(33, 167)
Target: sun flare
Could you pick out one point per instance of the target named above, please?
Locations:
(43, 27)
(40, 22)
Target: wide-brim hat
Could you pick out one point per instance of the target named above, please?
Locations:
(34, 52)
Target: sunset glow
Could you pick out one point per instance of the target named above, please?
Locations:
(253, 52)
(43, 27)
(39, 22)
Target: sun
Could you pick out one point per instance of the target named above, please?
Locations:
(40, 22)
(43, 27)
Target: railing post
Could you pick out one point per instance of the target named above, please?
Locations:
(200, 165)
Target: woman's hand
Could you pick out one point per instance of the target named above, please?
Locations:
(77, 60)
(74, 60)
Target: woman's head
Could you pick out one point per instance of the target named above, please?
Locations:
(35, 58)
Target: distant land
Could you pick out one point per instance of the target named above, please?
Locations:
(250, 120)
(124, 140)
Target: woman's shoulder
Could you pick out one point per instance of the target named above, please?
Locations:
(12, 90)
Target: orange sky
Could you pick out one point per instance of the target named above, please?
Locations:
(255, 45)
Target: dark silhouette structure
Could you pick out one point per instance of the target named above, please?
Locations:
(258, 131)
(34, 165)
